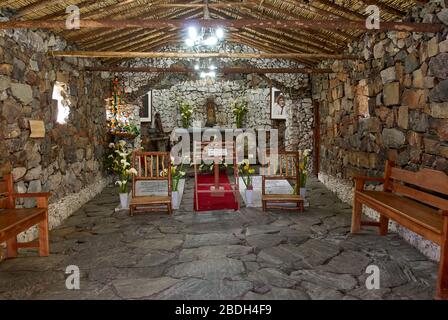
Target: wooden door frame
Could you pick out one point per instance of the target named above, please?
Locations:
(316, 144)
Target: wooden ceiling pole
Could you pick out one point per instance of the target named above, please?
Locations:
(385, 7)
(292, 37)
(83, 33)
(310, 43)
(267, 47)
(131, 36)
(225, 70)
(238, 23)
(32, 8)
(346, 12)
(61, 14)
(153, 46)
(183, 55)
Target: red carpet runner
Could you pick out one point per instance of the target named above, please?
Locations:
(208, 202)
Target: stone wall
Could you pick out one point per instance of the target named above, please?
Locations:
(392, 105)
(255, 89)
(69, 158)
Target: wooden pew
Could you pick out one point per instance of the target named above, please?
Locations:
(416, 200)
(14, 220)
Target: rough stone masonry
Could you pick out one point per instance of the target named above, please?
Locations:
(392, 105)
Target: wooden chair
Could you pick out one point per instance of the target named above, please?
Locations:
(151, 166)
(14, 220)
(416, 200)
(287, 168)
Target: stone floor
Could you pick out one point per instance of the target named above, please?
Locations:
(219, 255)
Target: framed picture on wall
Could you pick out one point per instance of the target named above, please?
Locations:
(278, 105)
(146, 110)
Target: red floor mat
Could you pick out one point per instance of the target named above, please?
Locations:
(209, 202)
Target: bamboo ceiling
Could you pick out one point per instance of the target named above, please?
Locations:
(267, 40)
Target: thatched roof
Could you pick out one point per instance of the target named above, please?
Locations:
(268, 40)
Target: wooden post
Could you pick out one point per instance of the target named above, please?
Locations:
(44, 244)
(316, 139)
(442, 282)
(357, 207)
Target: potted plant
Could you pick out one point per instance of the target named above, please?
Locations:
(177, 173)
(246, 173)
(121, 166)
(239, 108)
(186, 111)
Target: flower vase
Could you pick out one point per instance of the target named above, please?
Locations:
(303, 193)
(124, 200)
(249, 197)
(174, 198)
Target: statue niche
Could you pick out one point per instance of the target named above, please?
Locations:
(211, 113)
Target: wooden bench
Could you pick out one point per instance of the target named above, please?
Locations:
(14, 221)
(416, 200)
(287, 168)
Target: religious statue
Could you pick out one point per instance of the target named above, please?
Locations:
(158, 123)
(211, 113)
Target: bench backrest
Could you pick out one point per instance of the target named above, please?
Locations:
(151, 166)
(428, 182)
(285, 166)
(6, 191)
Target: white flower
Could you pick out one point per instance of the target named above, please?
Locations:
(133, 171)
(111, 145)
(125, 163)
(122, 143)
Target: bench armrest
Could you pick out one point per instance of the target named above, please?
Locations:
(32, 195)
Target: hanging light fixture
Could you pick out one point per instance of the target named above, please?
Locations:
(204, 39)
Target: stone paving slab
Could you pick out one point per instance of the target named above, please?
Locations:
(247, 254)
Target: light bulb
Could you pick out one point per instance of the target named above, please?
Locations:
(203, 74)
(189, 42)
(212, 74)
(220, 33)
(212, 67)
(211, 41)
(196, 67)
(192, 32)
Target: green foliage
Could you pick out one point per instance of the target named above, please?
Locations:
(239, 108)
(186, 112)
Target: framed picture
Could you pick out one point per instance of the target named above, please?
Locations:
(146, 110)
(278, 105)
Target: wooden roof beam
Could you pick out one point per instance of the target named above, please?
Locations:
(186, 55)
(225, 70)
(238, 23)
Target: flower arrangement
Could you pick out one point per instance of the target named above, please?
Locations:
(177, 173)
(239, 108)
(246, 173)
(120, 164)
(303, 165)
(186, 111)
